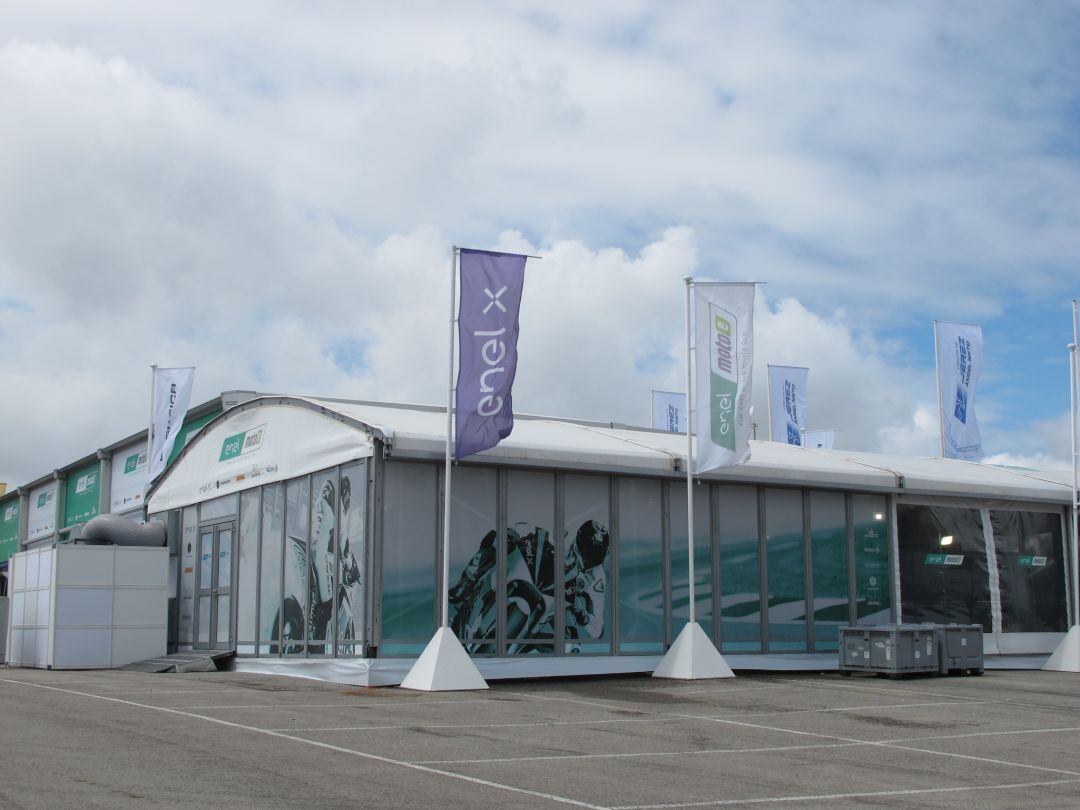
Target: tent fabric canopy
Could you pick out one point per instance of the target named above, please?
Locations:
(302, 435)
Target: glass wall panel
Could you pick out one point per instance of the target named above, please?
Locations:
(1030, 571)
(204, 621)
(873, 591)
(322, 561)
(943, 576)
(247, 565)
(680, 592)
(351, 565)
(829, 553)
(473, 557)
(222, 636)
(206, 559)
(297, 518)
(785, 546)
(273, 528)
(641, 566)
(587, 564)
(740, 570)
(410, 534)
(189, 534)
(530, 562)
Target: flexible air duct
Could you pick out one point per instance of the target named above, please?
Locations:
(122, 531)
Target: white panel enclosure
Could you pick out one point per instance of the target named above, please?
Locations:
(111, 606)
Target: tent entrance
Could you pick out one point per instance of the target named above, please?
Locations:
(213, 584)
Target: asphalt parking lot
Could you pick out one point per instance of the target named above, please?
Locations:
(120, 739)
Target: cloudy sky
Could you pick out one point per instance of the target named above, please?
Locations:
(270, 192)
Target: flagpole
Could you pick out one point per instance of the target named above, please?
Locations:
(768, 384)
(937, 383)
(1074, 374)
(692, 655)
(449, 451)
(150, 430)
(690, 448)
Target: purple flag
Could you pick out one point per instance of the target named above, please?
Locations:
(487, 339)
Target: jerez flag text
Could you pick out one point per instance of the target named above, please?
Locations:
(960, 347)
(669, 411)
(787, 403)
(491, 285)
(172, 395)
(723, 358)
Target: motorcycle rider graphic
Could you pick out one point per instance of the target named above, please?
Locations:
(320, 567)
(530, 589)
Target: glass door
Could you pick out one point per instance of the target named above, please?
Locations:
(213, 608)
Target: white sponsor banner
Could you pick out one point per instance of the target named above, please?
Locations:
(787, 403)
(128, 479)
(669, 411)
(959, 360)
(819, 439)
(41, 519)
(723, 359)
(258, 446)
(172, 394)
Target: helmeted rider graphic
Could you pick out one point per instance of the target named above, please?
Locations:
(530, 589)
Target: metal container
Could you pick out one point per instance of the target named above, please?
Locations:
(890, 649)
(960, 648)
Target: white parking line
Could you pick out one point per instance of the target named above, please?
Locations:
(837, 709)
(425, 726)
(317, 744)
(893, 745)
(641, 754)
(718, 690)
(235, 691)
(834, 796)
(716, 751)
(357, 705)
(954, 696)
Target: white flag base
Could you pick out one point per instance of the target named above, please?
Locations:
(692, 657)
(1066, 657)
(444, 666)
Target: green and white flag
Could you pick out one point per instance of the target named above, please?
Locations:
(723, 359)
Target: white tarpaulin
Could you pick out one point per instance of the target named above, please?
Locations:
(172, 393)
(257, 444)
(41, 518)
(128, 479)
(787, 403)
(723, 358)
(669, 411)
(959, 348)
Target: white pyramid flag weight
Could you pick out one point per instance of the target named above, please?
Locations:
(723, 359)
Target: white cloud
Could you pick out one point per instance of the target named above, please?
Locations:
(270, 193)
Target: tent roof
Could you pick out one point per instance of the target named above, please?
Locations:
(418, 432)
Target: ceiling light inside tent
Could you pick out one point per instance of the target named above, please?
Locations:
(878, 516)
